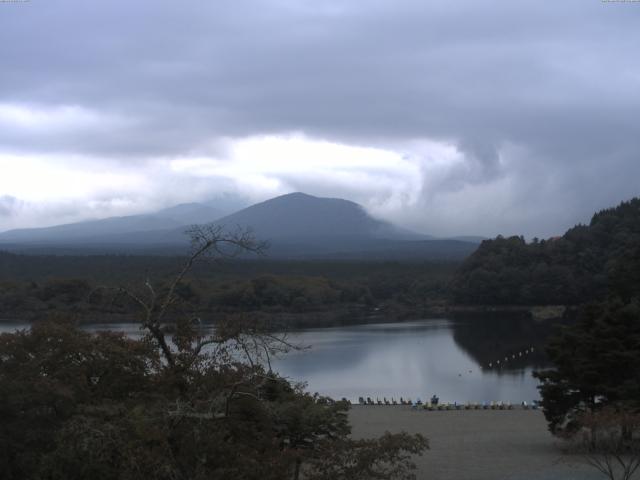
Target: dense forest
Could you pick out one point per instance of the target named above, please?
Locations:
(294, 292)
(588, 262)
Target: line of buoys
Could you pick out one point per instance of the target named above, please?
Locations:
(513, 356)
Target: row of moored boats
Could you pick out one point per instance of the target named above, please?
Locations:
(436, 405)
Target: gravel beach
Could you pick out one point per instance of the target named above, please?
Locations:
(476, 444)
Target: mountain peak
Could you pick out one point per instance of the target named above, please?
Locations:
(300, 215)
(301, 196)
(295, 195)
(297, 225)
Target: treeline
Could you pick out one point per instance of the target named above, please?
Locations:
(239, 286)
(588, 262)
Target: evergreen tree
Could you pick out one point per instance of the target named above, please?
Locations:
(596, 364)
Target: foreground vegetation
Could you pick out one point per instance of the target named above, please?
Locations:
(174, 404)
(591, 396)
(81, 406)
(596, 365)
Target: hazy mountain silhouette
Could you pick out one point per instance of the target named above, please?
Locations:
(296, 225)
(469, 238)
(167, 219)
(301, 216)
(190, 213)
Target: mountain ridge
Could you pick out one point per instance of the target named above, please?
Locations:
(297, 225)
(299, 215)
(166, 219)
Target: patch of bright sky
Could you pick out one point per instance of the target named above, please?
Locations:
(386, 180)
(58, 118)
(39, 179)
(266, 163)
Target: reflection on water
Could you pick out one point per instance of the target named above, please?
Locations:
(504, 343)
(131, 329)
(10, 327)
(411, 359)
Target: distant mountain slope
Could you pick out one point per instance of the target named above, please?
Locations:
(469, 238)
(101, 230)
(190, 213)
(295, 225)
(88, 229)
(302, 216)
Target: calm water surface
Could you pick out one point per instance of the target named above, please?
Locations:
(411, 359)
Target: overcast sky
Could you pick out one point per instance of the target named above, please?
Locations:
(447, 117)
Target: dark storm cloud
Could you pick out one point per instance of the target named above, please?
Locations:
(553, 85)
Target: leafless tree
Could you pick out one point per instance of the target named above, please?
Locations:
(236, 336)
(608, 442)
(212, 242)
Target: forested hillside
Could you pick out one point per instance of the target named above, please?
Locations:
(588, 262)
(321, 292)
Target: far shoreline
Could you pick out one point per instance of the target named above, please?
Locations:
(344, 316)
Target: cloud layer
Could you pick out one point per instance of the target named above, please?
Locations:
(449, 117)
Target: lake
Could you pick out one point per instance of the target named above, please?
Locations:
(456, 360)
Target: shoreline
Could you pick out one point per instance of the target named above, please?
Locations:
(342, 316)
(476, 444)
